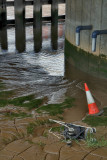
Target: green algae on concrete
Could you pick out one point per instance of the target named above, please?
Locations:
(85, 61)
(103, 66)
(76, 56)
(94, 62)
(55, 109)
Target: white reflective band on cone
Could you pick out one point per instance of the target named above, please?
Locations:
(77, 39)
(89, 97)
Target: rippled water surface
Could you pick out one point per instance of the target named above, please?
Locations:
(40, 73)
(45, 73)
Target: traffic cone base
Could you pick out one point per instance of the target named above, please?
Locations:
(93, 109)
(96, 114)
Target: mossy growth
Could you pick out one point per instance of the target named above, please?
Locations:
(45, 134)
(60, 117)
(2, 85)
(26, 101)
(93, 142)
(41, 144)
(17, 115)
(105, 111)
(56, 109)
(103, 56)
(4, 97)
(31, 127)
(85, 61)
(77, 56)
(97, 120)
(57, 129)
(6, 94)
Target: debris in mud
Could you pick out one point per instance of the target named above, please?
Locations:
(73, 131)
(43, 123)
(12, 108)
(10, 111)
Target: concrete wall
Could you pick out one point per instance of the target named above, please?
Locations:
(87, 12)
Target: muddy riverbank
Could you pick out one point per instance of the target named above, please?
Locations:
(32, 133)
(29, 138)
(47, 76)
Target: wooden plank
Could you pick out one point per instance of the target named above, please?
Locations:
(20, 25)
(10, 3)
(3, 25)
(37, 25)
(0, 13)
(28, 20)
(28, 3)
(3, 38)
(54, 24)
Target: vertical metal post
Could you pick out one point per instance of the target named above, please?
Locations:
(37, 25)
(0, 14)
(54, 24)
(20, 25)
(3, 25)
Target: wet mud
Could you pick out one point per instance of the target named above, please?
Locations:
(96, 85)
(16, 144)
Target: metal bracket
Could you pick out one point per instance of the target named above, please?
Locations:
(94, 38)
(78, 29)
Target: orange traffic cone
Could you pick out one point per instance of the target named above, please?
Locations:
(93, 109)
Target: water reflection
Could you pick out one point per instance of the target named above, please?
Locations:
(46, 73)
(37, 26)
(29, 45)
(54, 24)
(3, 38)
(86, 62)
(3, 26)
(20, 25)
(41, 73)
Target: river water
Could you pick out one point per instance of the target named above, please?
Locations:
(47, 73)
(40, 73)
(29, 72)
